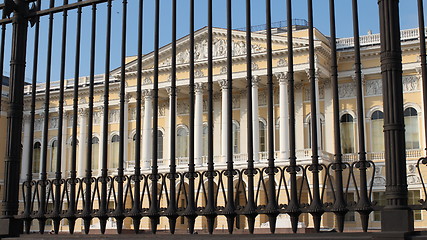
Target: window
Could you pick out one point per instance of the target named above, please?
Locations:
(377, 135)
(307, 132)
(277, 136)
(379, 197)
(114, 156)
(159, 144)
(347, 133)
(53, 156)
(350, 216)
(95, 153)
(413, 199)
(236, 138)
(262, 137)
(411, 128)
(133, 149)
(36, 157)
(182, 142)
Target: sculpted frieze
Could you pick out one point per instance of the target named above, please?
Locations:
(410, 83)
(374, 87)
(347, 90)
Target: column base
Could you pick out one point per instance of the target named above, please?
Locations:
(397, 220)
(10, 227)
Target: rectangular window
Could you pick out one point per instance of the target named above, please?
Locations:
(379, 197)
(413, 199)
(350, 216)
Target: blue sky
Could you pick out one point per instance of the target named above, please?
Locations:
(368, 15)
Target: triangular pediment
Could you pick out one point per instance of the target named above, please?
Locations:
(239, 48)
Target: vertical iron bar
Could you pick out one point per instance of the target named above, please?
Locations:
(118, 214)
(271, 208)
(229, 210)
(3, 43)
(315, 208)
(394, 129)
(58, 174)
(340, 206)
(422, 30)
(250, 209)
(210, 210)
(14, 119)
(29, 184)
(72, 206)
(86, 215)
(172, 208)
(153, 212)
(136, 208)
(190, 212)
(293, 208)
(103, 209)
(363, 206)
(41, 215)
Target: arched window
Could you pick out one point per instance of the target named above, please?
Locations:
(262, 137)
(95, 153)
(307, 132)
(159, 144)
(236, 138)
(205, 140)
(53, 156)
(182, 142)
(347, 133)
(277, 136)
(114, 156)
(411, 128)
(36, 157)
(377, 135)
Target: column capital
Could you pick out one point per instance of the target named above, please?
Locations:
(26, 117)
(128, 96)
(169, 91)
(223, 83)
(199, 87)
(316, 73)
(282, 77)
(147, 93)
(353, 77)
(83, 112)
(255, 81)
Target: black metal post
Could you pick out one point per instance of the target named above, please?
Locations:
(229, 211)
(56, 217)
(118, 214)
(86, 215)
(135, 213)
(340, 206)
(394, 129)
(43, 182)
(171, 212)
(102, 213)
(14, 119)
(190, 211)
(210, 209)
(72, 205)
(250, 208)
(422, 31)
(271, 208)
(153, 212)
(293, 208)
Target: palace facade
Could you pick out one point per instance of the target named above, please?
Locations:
(373, 114)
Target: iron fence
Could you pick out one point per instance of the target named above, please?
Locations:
(270, 190)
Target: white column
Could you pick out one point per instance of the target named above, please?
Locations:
(217, 125)
(83, 142)
(255, 117)
(299, 117)
(26, 147)
(329, 118)
(284, 116)
(126, 131)
(198, 125)
(224, 116)
(243, 123)
(64, 143)
(101, 139)
(147, 129)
